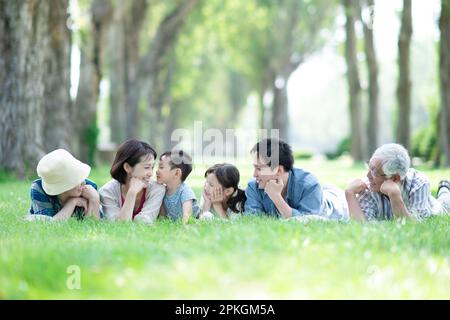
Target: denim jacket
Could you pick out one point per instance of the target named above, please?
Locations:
(304, 196)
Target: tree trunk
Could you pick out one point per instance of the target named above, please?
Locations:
(90, 77)
(444, 72)
(357, 138)
(170, 126)
(404, 81)
(285, 66)
(237, 94)
(153, 66)
(280, 109)
(372, 66)
(116, 50)
(161, 93)
(23, 43)
(169, 118)
(132, 30)
(57, 127)
(262, 109)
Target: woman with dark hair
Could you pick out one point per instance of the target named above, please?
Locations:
(221, 193)
(131, 194)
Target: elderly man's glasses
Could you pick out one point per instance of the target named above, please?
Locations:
(373, 171)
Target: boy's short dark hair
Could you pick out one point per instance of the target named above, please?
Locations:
(181, 160)
(129, 152)
(274, 152)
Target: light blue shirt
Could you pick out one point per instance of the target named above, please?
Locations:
(173, 204)
(304, 196)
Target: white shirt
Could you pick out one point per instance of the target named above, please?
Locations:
(111, 201)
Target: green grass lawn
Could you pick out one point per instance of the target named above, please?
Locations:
(248, 258)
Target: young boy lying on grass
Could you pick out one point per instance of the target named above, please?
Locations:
(180, 201)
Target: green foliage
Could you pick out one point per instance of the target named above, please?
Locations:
(200, 73)
(425, 140)
(91, 137)
(6, 176)
(425, 143)
(222, 39)
(303, 154)
(260, 29)
(343, 147)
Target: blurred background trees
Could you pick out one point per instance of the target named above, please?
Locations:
(85, 74)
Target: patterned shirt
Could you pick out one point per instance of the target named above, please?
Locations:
(173, 204)
(415, 192)
(47, 205)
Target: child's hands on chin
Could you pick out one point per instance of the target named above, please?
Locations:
(89, 193)
(80, 202)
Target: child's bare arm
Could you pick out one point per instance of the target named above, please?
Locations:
(187, 211)
(93, 198)
(68, 208)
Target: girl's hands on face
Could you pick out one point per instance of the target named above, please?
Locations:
(206, 196)
(217, 195)
(205, 186)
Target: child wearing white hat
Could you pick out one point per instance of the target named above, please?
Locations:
(63, 189)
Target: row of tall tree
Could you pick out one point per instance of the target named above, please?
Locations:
(157, 56)
(37, 112)
(169, 63)
(364, 143)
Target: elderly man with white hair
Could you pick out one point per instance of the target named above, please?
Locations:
(394, 190)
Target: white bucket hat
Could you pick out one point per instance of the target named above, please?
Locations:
(60, 172)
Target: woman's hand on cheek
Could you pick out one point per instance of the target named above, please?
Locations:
(137, 184)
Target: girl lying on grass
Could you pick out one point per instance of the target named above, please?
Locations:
(63, 189)
(221, 193)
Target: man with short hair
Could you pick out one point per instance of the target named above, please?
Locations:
(278, 189)
(394, 190)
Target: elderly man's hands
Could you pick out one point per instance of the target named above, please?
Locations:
(390, 188)
(356, 187)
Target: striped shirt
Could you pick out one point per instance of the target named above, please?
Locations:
(47, 205)
(416, 194)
